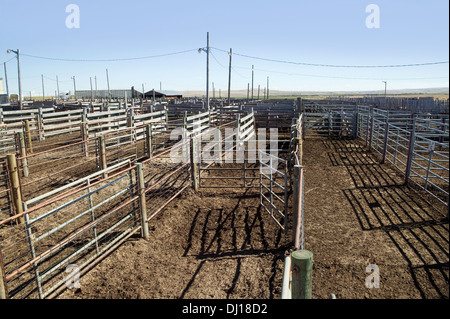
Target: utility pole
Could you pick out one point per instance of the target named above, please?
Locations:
(258, 90)
(207, 71)
(207, 68)
(6, 82)
(95, 86)
(92, 93)
(57, 87)
(214, 91)
(253, 75)
(17, 52)
(248, 91)
(385, 92)
(160, 85)
(107, 81)
(74, 87)
(43, 91)
(229, 76)
(267, 87)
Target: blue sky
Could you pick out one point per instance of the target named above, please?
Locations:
(318, 32)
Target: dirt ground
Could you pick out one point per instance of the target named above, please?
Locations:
(219, 243)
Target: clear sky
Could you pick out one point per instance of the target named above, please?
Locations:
(317, 32)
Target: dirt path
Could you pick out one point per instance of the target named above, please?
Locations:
(220, 244)
(358, 212)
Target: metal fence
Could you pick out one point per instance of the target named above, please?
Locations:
(75, 226)
(273, 188)
(415, 144)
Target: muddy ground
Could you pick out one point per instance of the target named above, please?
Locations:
(219, 243)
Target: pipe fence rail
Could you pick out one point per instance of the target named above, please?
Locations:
(415, 144)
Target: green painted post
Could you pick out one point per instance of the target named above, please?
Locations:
(301, 265)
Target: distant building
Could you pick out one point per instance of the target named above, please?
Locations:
(115, 94)
(120, 94)
(3, 99)
(162, 94)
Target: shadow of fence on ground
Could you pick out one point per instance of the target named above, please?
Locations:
(380, 200)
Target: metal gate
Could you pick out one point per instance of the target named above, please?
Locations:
(273, 187)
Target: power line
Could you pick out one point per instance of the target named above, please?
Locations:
(338, 66)
(347, 78)
(107, 60)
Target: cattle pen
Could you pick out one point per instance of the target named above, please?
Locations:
(238, 187)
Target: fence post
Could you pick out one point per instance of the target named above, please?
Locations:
(385, 142)
(40, 122)
(130, 120)
(84, 133)
(371, 133)
(299, 141)
(412, 140)
(148, 140)
(102, 154)
(16, 190)
(301, 265)
(194, 164)
(27, 131)
(297, 222)
(3, 291)
(142, 202)
(355, 124)
(23, 154)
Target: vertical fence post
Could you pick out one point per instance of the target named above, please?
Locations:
(23, 154)
(84, 135)
(297, 222)
(15, 185)
(148, 140)
(371, 133)
(40, 122)
(299, 142)
(28, 133)
(102, 154)
(301, 265)
(194, 164)
(39, 127)
(142, 202)
(3, 290)
(385, 142)
(412, 141)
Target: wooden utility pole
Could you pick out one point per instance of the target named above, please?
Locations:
(6, 81)
(253, 76)
(229, 76)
